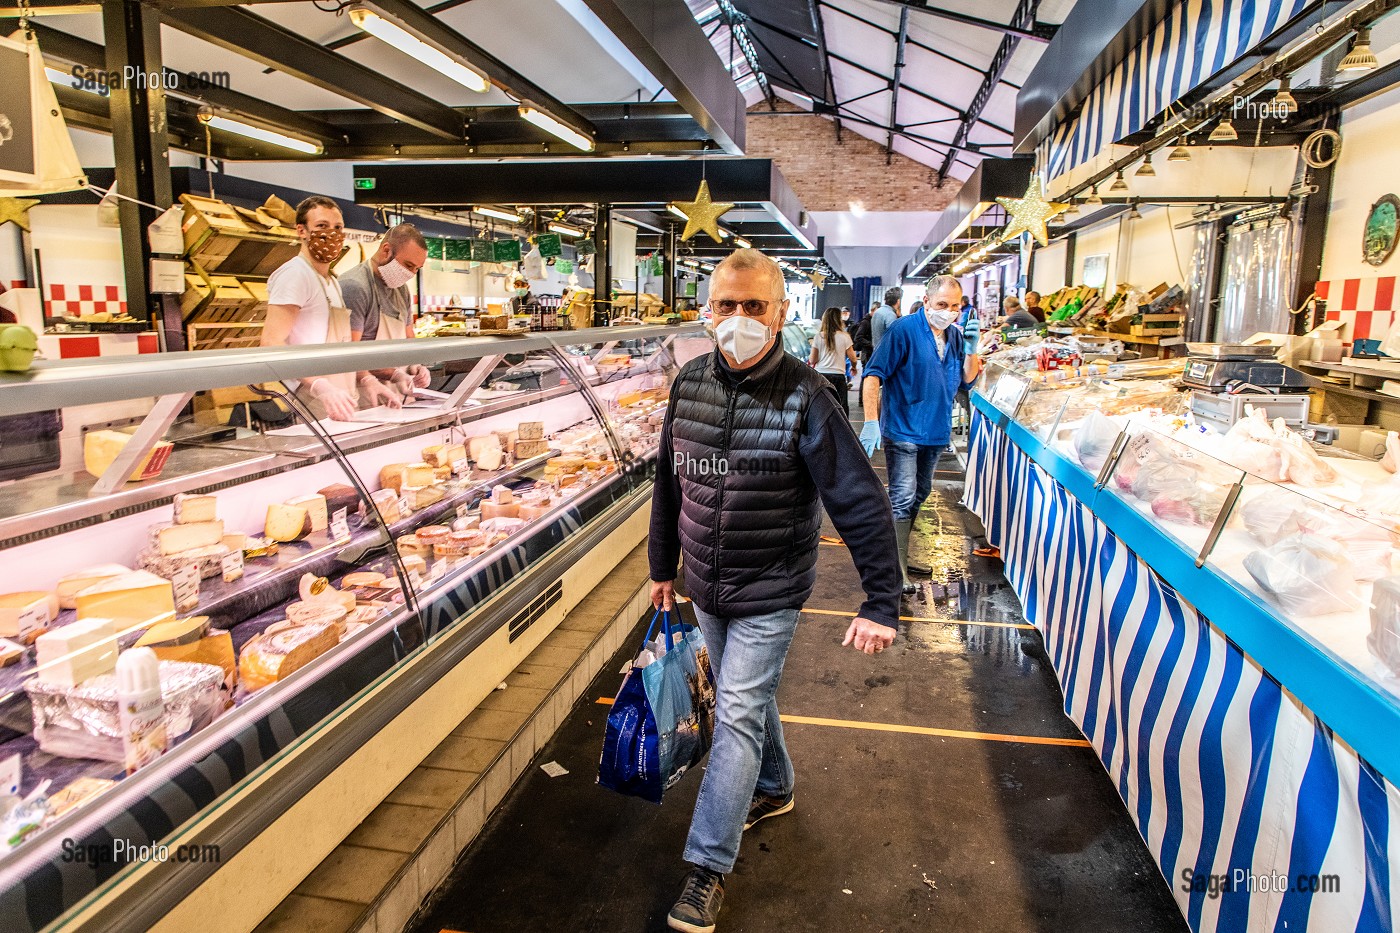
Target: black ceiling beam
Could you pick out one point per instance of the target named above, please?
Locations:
(925, 95)
(899, 43)
(1037, 32)
(254, 37)
(430, 27)
(1025, 14)
(69, 48)
(666, 39)
(912, 41)
(796, 82)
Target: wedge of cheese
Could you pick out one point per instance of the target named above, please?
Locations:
(387, 502)
(267, 659)
(418, 474)
(132, 598)
(287, 523)
(524, 449)
(190, 510)
(175, 632)
(486, 452)
(174, 539)
(391, 476)
(444, 455)
(77, 652)
(209, 561)
(531, 430)
(100, 449)
(24, 615)
(317, 506)
(420, 497)
(70, 585)
(340, 496)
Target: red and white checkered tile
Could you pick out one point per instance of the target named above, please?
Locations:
(1366, 305)
(65, 300)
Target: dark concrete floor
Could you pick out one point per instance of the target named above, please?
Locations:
(963, 829)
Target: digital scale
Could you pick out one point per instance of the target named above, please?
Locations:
(1227, 378)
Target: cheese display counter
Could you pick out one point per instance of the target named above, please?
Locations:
(1220, 609)
(271, 573)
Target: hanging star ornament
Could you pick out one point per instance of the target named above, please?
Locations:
(1030, 213)
(702, 214)
(16, 210)
(817, 277)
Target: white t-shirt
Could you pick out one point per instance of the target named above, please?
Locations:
(295, 283)
(832, 360)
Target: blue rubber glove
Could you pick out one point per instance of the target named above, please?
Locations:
(870, 437)
(971, 331)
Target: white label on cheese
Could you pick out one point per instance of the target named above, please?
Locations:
(340, 526)
(11, 773)
(414, 580)
(34, 617)
(405, 506)
(232, 566)
(186, 583)
(459, 466)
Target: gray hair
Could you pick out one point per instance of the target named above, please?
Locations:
(893, 296)
(939, 281)
(404, 234)
(1011, 303)
(748, 260)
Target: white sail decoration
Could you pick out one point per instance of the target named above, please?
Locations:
(36, 152)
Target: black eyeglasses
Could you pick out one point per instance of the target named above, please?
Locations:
(753, 307)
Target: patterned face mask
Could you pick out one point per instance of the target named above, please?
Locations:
(325, 245)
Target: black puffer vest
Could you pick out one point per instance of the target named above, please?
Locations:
(749, 516)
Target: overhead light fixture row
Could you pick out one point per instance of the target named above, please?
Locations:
(1145, 170)
(556, 127)
(1224, 132)
(499, 214)
(392, 32)
(1180, 154)
(565, 229)
(1284, 101)
(741, 242)
(1119, 183)
(230, 125)
(1359, 57)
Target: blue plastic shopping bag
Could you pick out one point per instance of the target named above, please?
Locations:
(662, 720)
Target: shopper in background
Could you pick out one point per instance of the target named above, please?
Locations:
(832, 352)
(909, 390)
(381, 307)
(966, 310)
(885, 316)
(750, 567)
(521, 298)
(305, 305)
(1017, 316)
(1033, 307)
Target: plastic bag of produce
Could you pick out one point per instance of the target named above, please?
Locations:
(1367, 544)
(1306, 575)
(1249, 446)
(1165, 477)
(1384, 640)
(1270, 516)
(1093, 440)
(1304, 466)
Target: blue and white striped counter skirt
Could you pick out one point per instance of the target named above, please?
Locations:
(1258, 816)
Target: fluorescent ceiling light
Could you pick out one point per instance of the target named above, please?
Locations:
(677, 211)
(707, 14)
(690, 262)
(750, 80)
(268, 136)
(393, 34)
(565, 229)
(499, 214)
(555, 128)
(741, 242)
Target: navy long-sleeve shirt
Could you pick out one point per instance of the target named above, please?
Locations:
(848, 488)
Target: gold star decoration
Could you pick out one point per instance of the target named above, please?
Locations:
(818, 279)
(702, 214)
(17, 210)
(1030, 213)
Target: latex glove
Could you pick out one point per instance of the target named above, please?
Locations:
(377, 393)
(339, 404)
(421, 376)
(870, 437)
(402, 382)
(971, 331)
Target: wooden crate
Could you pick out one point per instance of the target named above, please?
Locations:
(1159, 325)
(223, 238)
(225, 336)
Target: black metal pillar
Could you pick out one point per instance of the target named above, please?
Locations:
(1313, 219)
(602, 263)
(131, 30)
(668, 262)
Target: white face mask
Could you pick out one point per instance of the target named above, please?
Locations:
(941, 320)
(395, 274)
(743, 338)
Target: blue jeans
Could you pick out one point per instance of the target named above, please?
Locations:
(910, 468)
(748, 755)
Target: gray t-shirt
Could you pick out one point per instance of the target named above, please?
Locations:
(367, 298)
(881, 322)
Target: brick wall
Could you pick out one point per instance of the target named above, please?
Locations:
(832, 176)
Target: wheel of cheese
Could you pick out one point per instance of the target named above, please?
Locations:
(363, 578)
(432, 534)
(317, 614)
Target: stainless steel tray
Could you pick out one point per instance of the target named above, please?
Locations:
(1230, 351)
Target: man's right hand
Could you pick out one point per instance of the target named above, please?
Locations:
(870, 437)
(339, 404)
(663, 595)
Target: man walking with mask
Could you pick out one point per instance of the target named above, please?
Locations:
(909, 389)
(376, 292)
(753, 444)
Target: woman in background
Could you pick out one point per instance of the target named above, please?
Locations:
(831, 348)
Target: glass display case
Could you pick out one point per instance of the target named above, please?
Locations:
(273, 564)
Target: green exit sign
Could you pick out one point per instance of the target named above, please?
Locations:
(364, 184)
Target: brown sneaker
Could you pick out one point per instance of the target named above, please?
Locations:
(764, 807)
(698, 905)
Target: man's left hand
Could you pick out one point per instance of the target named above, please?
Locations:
(971, 331)
(869, 637)
(421, 375)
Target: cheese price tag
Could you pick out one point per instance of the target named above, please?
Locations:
(459, 466)
(232, 566)
(33, 618)
(11, 772)
(405, 506)
(340, 525)
(186, 584)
